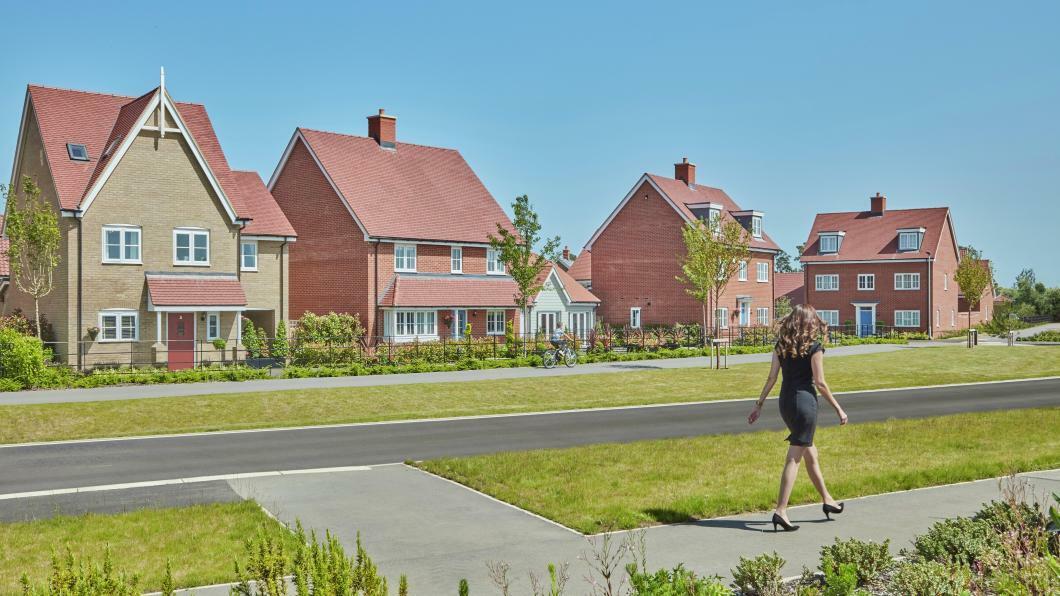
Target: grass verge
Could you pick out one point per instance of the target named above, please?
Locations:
(200, 541)
(904, 368)
(620, 486)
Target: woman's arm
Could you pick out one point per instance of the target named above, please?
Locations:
(774, 370)
(817, 362)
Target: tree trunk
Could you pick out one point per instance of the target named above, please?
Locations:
(526, 330)
(970, 345)
(36, 317)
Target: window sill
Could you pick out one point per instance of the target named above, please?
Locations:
(117, 341)
(494, 333)
(254, 270)
(405, 271)
(495, 273)
(121, 262)
(411, 338)
(179, 264)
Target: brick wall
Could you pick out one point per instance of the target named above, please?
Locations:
(887, 297)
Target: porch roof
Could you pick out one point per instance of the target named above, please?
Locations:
(197, 291)
(442, 291)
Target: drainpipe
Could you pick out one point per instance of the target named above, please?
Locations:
(80, 356)
(283, 248)
(930, 293)
(375, 292)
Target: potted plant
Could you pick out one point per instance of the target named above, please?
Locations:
(93, 333)
(220, 344)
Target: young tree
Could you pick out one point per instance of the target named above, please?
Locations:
(32, 228)
(520, 260)
(973, 278)
(781, 307)
(785, 264)
(714, 250)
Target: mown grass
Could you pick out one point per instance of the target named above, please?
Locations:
(201, 542)
(904, 368)
(619, 486)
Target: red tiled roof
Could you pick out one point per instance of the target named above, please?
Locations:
(684, 195)
(409, 192)
(871, 237)
(474, 291)
(267, 219)
(195, 290)
(790, 285)
(575, 290)
(582, 269)
(5, 264)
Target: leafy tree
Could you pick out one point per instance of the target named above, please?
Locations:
(33, 231)
(973, 278)
(714, 250)
(784, 263)
(781, 307)
(281, 347)
(517, 253)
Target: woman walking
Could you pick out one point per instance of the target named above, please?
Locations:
(800, 356)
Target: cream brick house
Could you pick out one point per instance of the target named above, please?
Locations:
(164, 247)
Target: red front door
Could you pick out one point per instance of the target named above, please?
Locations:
(181, 340)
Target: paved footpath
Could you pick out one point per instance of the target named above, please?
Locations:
(185, 389)
(438, 532)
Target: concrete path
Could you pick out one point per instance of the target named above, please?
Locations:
(438, 532)
(90, 463)
(51, 396)
(1029, 331)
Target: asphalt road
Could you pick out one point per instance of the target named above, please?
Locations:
(90, 463)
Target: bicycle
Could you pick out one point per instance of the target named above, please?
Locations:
(552, 356)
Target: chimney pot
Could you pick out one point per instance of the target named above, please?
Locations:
(878, 204)
(685, 171)
(383, 128)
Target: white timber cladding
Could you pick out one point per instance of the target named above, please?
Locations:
(554, 301)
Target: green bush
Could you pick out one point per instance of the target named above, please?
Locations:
(676, 582)
(958, 541)
(929, 578)
(22, 358)
(281, 348)
(759, 576)
(1043, 336)
(1003, 516)
(841, 580)
(82, 578)
(9, 385)
(868, 559)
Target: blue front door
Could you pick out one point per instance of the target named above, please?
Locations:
(865, 322)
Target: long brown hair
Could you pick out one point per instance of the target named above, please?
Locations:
(797, 332)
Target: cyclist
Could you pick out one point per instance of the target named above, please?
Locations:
(559, 338)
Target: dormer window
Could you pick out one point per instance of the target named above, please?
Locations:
(77, 151)
(756, 226)
(713, 215)
(829, 242)
(909, 240)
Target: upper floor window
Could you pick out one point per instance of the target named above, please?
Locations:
(907, 281)
(456, 259)
(762, 271)
(829, 244)
(866, 281)
(826, 283)
(494, 264)
(405, 257)
(191, 247)
(909, 241)
(756, 226)
(121, 244)
(119, 325)
(77, 151)
(248, 255)
(743, 271)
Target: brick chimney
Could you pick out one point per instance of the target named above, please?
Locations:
(383, 128)
(685, 171)
(878, 204)
(566, 253)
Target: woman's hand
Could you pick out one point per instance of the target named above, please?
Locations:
(755, 413)
(842, 416)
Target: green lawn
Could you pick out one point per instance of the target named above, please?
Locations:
(910, 367)
(202, 542)
(615, 486)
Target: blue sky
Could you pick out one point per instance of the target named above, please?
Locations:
(792, 108)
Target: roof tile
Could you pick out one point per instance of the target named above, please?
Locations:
(873, 237)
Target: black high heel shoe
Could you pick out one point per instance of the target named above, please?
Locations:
(830, 509)
(779, 521)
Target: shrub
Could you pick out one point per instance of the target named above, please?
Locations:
(929, 578)
(958, 541)
(841, 580)
(83, 578)
(759, 576)
(219, 344)
(251, 339)
(676, 582)
(9, 385)
(1003, 516)
(281, 348)
(22, 358)
(868, 559)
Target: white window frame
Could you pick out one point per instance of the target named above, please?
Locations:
(242, 255)
(122, 244)
(119, 315)
(834, 238)
(456, 259)
(910, 282)
(831, 317)
(415, 320)
(743, 271)
(403, 261)
(491, 322)
(192, 233)
(946, 282)
(903, 246)
(713, 214)
(745, 313)
(818, 286)
(762, 315)
(634, 317)
(210, 318)
(762, 272)
(721, 315)
(902, 322)
(458, 330)
(494, 264)
(756, 226)
(953, 318)
(870, 278)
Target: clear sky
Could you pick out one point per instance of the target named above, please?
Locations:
(792, 108)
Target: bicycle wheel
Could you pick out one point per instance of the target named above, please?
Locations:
(548, 359)
(570, 358)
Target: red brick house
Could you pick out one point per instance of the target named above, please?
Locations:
(791, 286)
(637, 254)
(582, 269)
(394, 232)
(881, 267)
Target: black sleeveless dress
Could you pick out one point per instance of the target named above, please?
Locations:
(798, 397)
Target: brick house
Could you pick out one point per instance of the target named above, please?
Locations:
(393, 232)
(163, 246)
(582, 269)
(884, 267)
(5, 271)
(791, 286)
(636, 255)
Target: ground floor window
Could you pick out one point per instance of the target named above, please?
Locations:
(907, 318)
(579, 323)
(213, 325)
(459, 322)
(495, 322)
(119, 325)
(419, 322)
(722, 315)
(829, 316)
(762, 315)
(634, 317)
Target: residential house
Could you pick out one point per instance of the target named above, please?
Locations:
(562, 299)
(393, 232)
(884, 267)
(5, 270)
(163, 246)
(638, 250)
(791, 286)
(582, 269)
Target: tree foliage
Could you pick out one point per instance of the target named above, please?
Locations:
(32, 229)
(714, 249)
(785, 263)
(973, 278)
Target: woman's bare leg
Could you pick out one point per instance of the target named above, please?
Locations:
(813, 468)
(787, 479)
